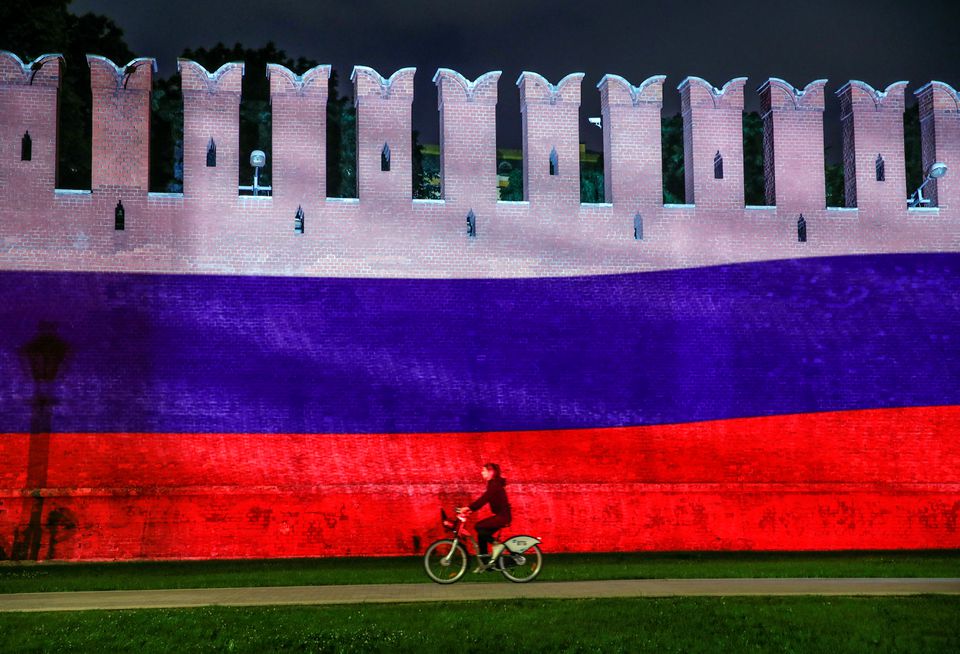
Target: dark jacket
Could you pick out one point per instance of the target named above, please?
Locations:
(496, 495)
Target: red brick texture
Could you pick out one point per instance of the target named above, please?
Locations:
(879, 479)
(872, 123)
(793, 145)
(210, 228)
(299, 107)
(121, 125)
(468, 140)
(211, 110)
(550, 123)
(713, 123)
(633, 166)
(940, 137)
(29, 104)
(384, 119)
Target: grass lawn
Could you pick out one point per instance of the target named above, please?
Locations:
(743, 624)
(35, 577)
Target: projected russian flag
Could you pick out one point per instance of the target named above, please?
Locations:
(781, 405)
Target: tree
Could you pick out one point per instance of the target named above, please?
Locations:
(754, 181)
(256, 124)
(166, 135)
(591, 184)
(341, 143)
(30, 29)
(833, 174)
(674, 185)
(33, 28)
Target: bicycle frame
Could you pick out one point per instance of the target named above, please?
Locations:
(460, 530)
(514, 552)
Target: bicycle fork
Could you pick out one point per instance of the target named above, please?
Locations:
(449, 557)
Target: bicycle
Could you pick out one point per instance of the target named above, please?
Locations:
(519, 558)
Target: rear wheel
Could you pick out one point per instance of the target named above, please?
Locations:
(521, 568)
(445, 562)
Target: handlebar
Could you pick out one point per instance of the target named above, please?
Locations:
(461, 516)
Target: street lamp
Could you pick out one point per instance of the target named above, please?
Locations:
(936, 171)
(258, 159)
(42, 357)
(44, 354)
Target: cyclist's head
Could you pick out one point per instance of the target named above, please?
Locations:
(490, 471)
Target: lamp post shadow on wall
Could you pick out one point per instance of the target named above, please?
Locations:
(42, 358)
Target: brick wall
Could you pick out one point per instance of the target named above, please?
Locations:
(384, 233)
(268, 459)
(861, 480)
(802, 404)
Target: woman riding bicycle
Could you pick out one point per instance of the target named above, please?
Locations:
(496, 496)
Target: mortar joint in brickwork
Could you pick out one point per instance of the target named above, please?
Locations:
(553, 90)
(636, 92)
(386, 85)
(469, 88)
(300, 83)
(29, 70)
(122, 75)
(797, 96)
(944, 88)
(213, 79)
(879, 97)
(715, 94)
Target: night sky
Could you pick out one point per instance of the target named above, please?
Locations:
(877, 41)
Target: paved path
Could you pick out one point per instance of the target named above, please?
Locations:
(352, 594)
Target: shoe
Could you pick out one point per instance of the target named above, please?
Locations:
(481, 566)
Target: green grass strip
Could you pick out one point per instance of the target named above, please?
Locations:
(742, 624)
(142, 575)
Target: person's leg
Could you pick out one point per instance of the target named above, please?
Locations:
(497, 523)
(484, 538)
(485, 529)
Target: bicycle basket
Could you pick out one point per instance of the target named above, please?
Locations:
(447, 522)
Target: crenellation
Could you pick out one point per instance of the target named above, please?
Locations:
(13, 70)
(211, 119)
(468, 138)
(299, 111)
(940, 138)
(226, 79)
(713, 142)
(550, 116)
(873, 147)
(211, 228)
(121, 125)
(384, 136)
(29, 114)
(630, 117)
(793, 144)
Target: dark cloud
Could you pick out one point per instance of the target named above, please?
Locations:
(879, 41)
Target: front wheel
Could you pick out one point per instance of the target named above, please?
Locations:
(521, 568)
(445, 561)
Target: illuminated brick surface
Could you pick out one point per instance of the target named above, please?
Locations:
(222, 416)
(234, 389)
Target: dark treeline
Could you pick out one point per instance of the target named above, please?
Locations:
(40, 26)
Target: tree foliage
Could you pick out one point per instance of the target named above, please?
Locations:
(674, 186)
(754, 182)
(40, 26)
(30, 29)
